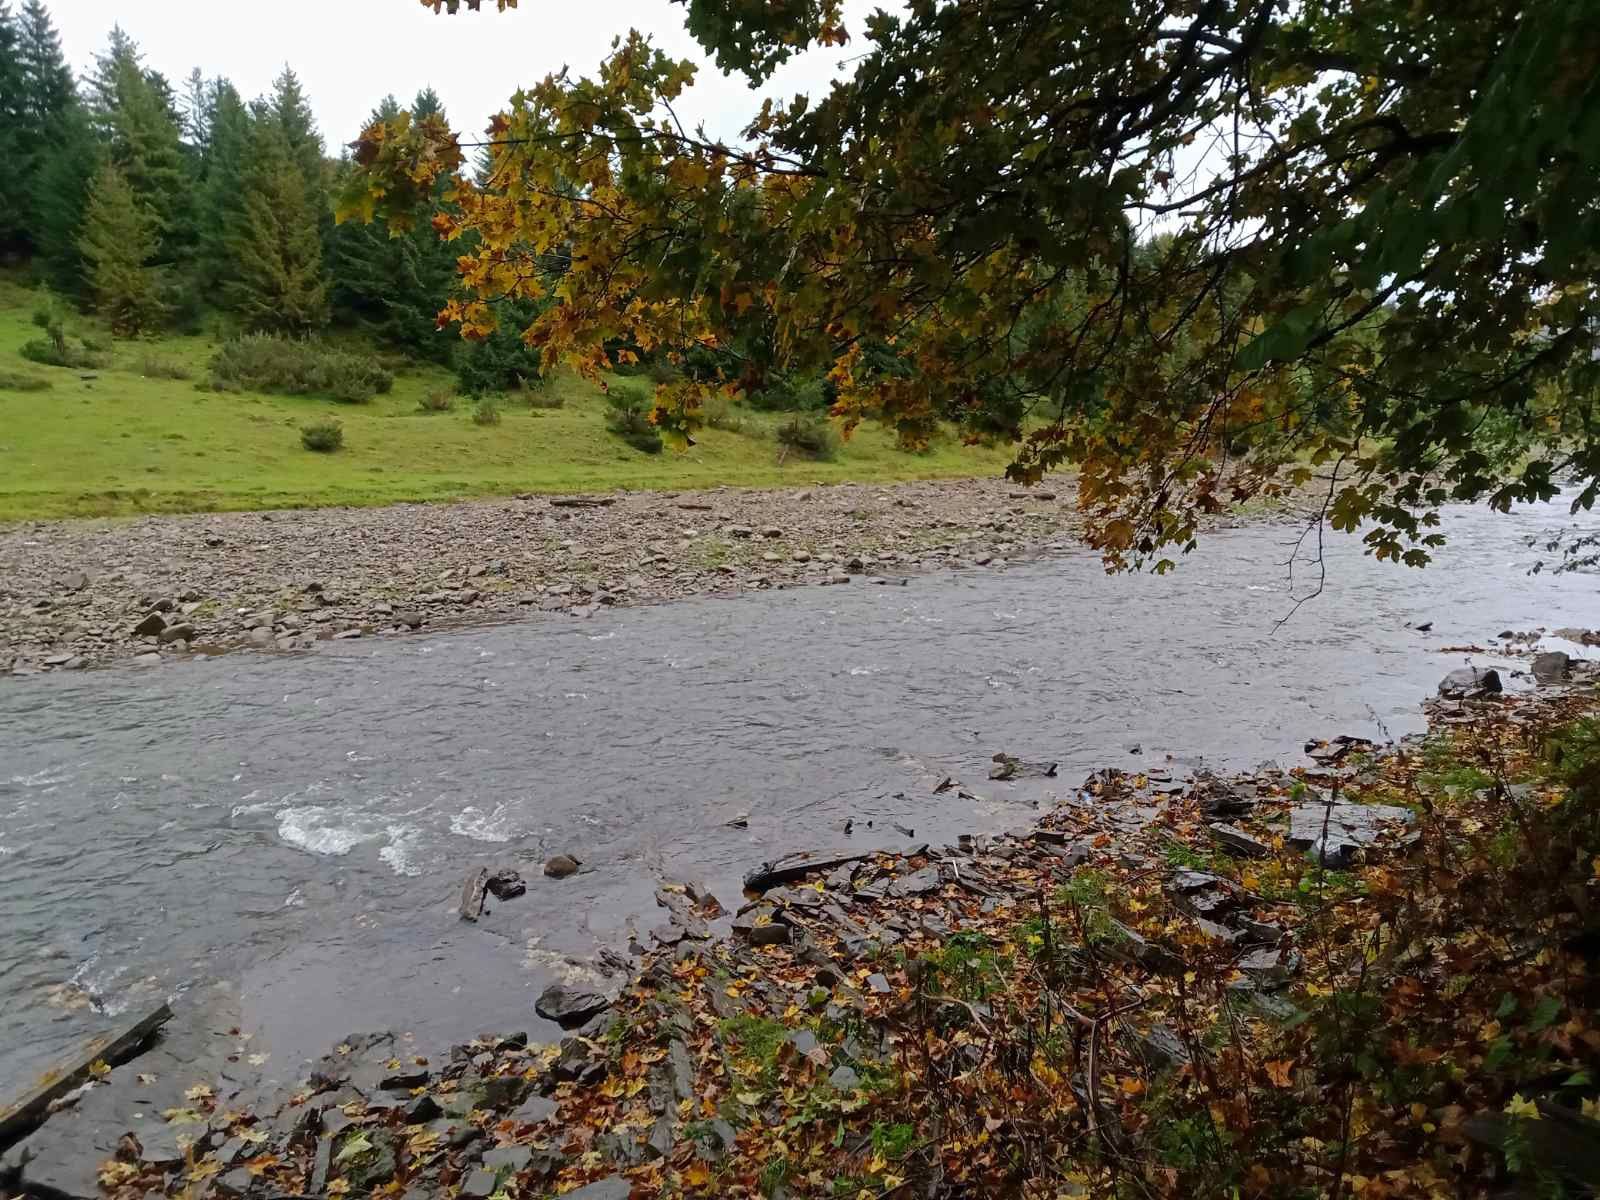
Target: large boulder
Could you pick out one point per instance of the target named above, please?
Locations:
(1470, 683)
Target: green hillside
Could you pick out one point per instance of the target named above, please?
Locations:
(122, 440)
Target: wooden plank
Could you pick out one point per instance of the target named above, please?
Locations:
(112, 1047)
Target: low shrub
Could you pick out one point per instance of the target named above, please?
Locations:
(486, 413)
(812, 436)
(791, 393)
(719, 413)
(629, 418)
(324, 437)
(437, 401)
(289, 367)
(78, 358)
(355, 378)
(502, 362)
(153, 366)
(539, 395)
(16, 381)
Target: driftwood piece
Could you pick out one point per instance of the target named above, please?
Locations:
(583, 501)
(800, 864)
(472, 893)
(112, 1047)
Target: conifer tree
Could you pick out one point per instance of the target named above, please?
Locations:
(220, 196)
(394, 286)
(196, 113)
(50, 87)
(118, 244)
(100, 90)
(60, 194)
(278, 283)
(13, 181)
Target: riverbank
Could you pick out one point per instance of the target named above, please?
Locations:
(1251, 985)
(79, 593)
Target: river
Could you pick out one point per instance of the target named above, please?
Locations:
(286, 835)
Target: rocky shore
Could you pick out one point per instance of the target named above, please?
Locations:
(78, 593)
(1034, 1014)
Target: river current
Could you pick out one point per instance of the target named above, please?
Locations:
(287, 835)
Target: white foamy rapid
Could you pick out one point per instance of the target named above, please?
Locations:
(316, 830)
(474, 823)
(403, 851)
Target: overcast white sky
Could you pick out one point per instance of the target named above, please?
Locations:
(351, 53)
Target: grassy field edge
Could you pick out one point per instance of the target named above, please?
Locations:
(139, 436)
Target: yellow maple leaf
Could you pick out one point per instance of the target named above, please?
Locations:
(697, 1175)
(114, 1174)
(1519, 1107)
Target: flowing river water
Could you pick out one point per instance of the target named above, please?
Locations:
(287, 835)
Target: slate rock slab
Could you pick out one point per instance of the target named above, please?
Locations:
(613, 1187)
(1336, 833)
(570, 1006)
(1553, 666)
(1470, 683)
(918, 883)
(533, 1110)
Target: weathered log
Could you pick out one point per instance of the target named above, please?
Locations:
(800, 864)
(582, 501)
(472, 893)
(113, 1047)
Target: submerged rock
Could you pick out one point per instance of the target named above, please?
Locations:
(560, 866)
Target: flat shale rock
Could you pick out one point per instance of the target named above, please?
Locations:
(1335, 833)
(570, 1006)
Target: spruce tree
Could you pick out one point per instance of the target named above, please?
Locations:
(146, 145)
(278, 283)
(196, 113)
(118, 243)
(220, 197)
(291, 112)
(427, 104)
(100, 91)
(49, 88)
(60, 195)
(394, 287)
(13, 179)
